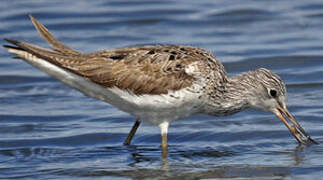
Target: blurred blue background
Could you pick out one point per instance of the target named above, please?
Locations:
(50, 131)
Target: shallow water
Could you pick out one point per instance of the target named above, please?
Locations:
(50, 131)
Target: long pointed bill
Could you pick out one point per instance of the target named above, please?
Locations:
(298, 132)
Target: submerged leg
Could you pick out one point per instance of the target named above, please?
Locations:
(132, 133)
(164, 130)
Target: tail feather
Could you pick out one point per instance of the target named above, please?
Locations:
(12, 47)
(14, 50)
(58, 46)
(54, 57)
(33, 49)
(62, 64)
(19, 53)
(12, 41)
(65, 75)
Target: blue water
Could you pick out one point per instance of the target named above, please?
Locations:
(50, 131)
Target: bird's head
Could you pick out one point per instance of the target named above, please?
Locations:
(269, 94)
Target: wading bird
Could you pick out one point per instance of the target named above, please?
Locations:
(161, 83)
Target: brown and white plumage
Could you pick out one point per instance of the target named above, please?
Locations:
(159, 83)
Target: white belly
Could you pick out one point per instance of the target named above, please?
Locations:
(160, 108)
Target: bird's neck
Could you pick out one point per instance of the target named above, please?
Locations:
(230, 97)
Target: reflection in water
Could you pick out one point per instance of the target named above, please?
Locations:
(149, 162)
(182, 171)
(175, 165)
(298, 154)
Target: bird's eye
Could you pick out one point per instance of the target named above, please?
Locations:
(273, 93)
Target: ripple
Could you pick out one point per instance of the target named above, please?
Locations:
(65, 141)
(275, 63)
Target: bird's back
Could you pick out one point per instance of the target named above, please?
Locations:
(142, 72)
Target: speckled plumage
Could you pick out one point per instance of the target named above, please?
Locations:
(159, 83)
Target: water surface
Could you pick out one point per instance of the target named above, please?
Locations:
(50, 131)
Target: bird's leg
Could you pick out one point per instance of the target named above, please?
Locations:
(164, 130)
(164, 146)
(164, 141)
(132, 133)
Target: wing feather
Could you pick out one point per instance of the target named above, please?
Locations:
(58, 46)
(139, 70)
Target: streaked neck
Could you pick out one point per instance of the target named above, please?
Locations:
(232, 97)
